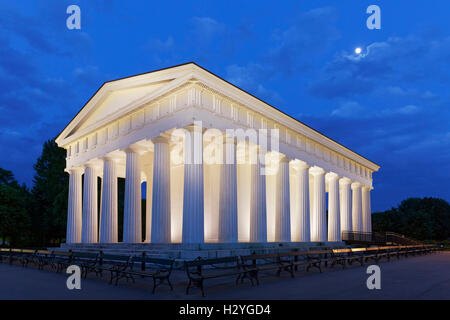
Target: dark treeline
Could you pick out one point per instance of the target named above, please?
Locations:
(37, 217)
(417, 218)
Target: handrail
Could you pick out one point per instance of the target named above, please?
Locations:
(377, 237)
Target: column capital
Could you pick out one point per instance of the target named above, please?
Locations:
(366, 188)
(93, 164)
(344, 181)
(300, 164)
(75, 170)
(356, 185)
(111, 157)
(192, 127)
(136, 148)
(284, 159)
(160, 139)
(330, 176)
(316, 171)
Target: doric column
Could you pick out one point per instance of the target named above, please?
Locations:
(161, 192)
(258, 207)
(366, 214)
(74, 208)
(228, 214)
(149, 204)
(283, 203)
(318, 216)
(132, 221)
(108, 215)
(334, 223)
(346, 204)
(89, 232)
(356, 207)
(193, 196)
(301, 217)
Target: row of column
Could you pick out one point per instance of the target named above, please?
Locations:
(348, 203)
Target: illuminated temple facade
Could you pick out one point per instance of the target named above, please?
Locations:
(219, 165)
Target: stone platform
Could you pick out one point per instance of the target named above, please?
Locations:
(180, 252)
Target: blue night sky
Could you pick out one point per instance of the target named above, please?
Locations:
(390, 104)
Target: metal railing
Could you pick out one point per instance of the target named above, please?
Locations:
(377, 237)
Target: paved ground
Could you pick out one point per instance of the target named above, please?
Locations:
(422, 277)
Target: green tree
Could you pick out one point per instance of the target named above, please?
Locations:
(49, 195)
(419, 218)
(7, 178)
(14, 219)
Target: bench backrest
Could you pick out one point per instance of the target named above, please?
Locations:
(358, 251)
(154, 263)
(198, 264)
(341, 252)
(213, 261)
(114, 258)
(255, 257)
(62, 254)
(85, 255)
(44, 252)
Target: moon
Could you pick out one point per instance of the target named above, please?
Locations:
(358, 50)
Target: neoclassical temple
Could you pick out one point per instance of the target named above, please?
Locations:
(218, 164)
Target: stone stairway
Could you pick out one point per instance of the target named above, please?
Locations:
(182, 252)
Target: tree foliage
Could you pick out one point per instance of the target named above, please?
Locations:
(419, 218)
(14, 218)
(49, 195)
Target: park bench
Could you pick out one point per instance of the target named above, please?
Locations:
(24, 256)
(339, 256)
(203, 269)
(356, 255)
(40, 258)
(60, 260)
(254, 263)
(309, 259)
(384, 252)
(158, 269)
(4, 254)
(87, 261)
(316, 257)
(391, 252)
(10, 254)
(115, 264)
(372, 254)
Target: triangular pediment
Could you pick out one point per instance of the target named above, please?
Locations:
(122, 95)
(115, 101)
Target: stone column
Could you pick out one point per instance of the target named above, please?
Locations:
(303, 202)
(346, 204)
(228, 212)
(74, 208)
(161, 192)
(89, 232)
(108, 215)
(132, 221)
(258, 207)
(366, 214)
(283, 203)
(149, 205)
(356, 207)
(334, 223)
(318, 216)
(193, 196)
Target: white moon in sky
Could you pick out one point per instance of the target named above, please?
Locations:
(358, 50)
